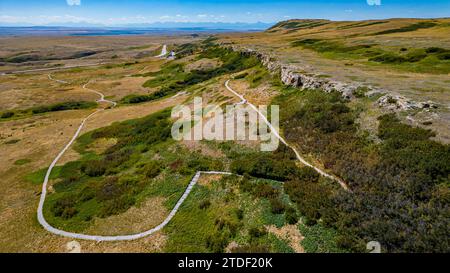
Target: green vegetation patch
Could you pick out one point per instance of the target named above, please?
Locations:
(172, 78)
(399, 185)
(412, 27)
(223, 212)
(63, 106)
(423, 60)
(70, 105)
(358, 25)
(144, 162)
(296, 25)
(21, 162)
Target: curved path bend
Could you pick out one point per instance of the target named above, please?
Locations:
(100, 238)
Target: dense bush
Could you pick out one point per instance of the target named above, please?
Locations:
(400, 195)
(152, 169)
(311, 197)
(7, 114)
(186, 49)
(277, 206)
(241, 76)
(277, 166)
(217, 242)
(204, 204)
(252, 248)
(291, 216)
(199, 162)
(65, 207)
(72, 105)
(412, 27)
(94, 168)
(226, 228)
(255, 232)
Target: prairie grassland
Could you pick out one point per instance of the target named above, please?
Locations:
(425, 79)
(125, 173)
(406, 57)
(30, 143)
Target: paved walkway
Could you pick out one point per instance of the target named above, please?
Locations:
(186, 193)
(100, 238)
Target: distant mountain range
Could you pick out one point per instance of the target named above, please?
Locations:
(179, 25)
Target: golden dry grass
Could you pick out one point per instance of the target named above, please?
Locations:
(147, 215)
(415, 86)
(19, 230)
(289, 233)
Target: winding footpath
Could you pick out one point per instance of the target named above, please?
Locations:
(163, 52)
(186, 193)
(275, 132)
(100, 238)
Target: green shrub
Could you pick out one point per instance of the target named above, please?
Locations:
(312, 199)
(389, 58)
(265, 165)
(7, 114)
(394, 182)
(65, 207)
(444, 56)
(73, 105)
(435, 50)
(241, 76)
(152, 169)
(217, 242)
(252, 248)
(291, 216)
(204, 204)
(412, 27)
(265, 191)
(277, 206)
(416, 55)
(256, 233)
(105, 186)
(94, 168)
(239, 214)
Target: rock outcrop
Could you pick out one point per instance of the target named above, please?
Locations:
(295, 76)
(395, 103)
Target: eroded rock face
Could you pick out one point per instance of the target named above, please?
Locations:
(296, 77)
(394, 103)
(302, 80)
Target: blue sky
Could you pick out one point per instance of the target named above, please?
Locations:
(147, 11)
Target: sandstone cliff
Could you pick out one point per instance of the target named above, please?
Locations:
(294, 76)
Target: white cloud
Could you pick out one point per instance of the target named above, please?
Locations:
(374, 2)
(73, 2)
(45, 19)
(202, 15)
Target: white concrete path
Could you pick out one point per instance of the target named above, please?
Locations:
(100, 238)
